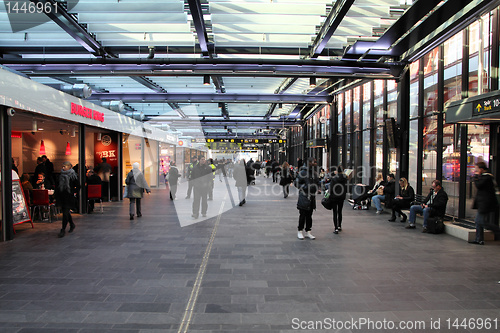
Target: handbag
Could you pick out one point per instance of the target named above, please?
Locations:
(327, 201)
(380, 191)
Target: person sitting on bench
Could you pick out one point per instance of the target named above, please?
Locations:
(403, 200)
(435, 205)
(388, 194)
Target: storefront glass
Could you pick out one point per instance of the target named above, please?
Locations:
(478, 149)
(451, 167)
(453, 68)
(366, 170)
(414, 69)
(429, 151)
(151, 162)
(392, 99)
(413, 154)
(431, 81)
(347, 108)
(340, 114)
(132, 152)
(379, 151)
(356, 105)
(366, 105)
(379, 101)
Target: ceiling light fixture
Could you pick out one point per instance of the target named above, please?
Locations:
(206, 80)
(312, 82)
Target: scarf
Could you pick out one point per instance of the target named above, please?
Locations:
(65, 179)
(139, 178)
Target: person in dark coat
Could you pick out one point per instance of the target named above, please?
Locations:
(202, 177)
(91, 178)
(308, 185)
(485, 201)
(65, 193)
(40, 168)
(435, 205)
(286, 178)
(136, 184)
(338, 191)
(173, 180)
(189, 176)
(240, 176)
(14, 167)
(275, 168)
(403, 200)
(49, 168)
(389, 190)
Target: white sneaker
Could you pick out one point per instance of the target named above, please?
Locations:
(379, 211)
(300, 235)
(309, 235)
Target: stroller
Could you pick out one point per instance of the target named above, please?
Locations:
(360, 199)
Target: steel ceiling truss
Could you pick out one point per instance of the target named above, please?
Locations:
(70, 24)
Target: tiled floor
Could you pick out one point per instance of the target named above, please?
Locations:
(241, 271)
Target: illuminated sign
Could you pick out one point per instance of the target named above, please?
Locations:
(85, 112)
(200, 140)
(181, 143)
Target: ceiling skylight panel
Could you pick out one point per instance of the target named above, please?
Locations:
(141, 27)
(266, 19)
(257, 85)
(126, 7)
(268, 8)
(264, 28)
(132, 18)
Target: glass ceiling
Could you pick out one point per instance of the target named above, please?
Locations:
(154, 55)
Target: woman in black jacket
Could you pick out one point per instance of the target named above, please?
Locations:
(286, 179)
(308, 185)
(403, 200)
(338, 190)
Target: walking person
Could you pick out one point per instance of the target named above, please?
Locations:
(189, 175)
(136, 184)
(202, 178)
(338, 191)
(173, 179)
(308, 185)
(485, 201)
(240, 176)
(65, 193)
(403, 200)
(286, 179)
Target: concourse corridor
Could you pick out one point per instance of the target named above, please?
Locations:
(242, 270)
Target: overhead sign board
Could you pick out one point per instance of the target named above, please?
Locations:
(486, 105)
(200, 140)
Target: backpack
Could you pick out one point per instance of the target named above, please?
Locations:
(435, 225)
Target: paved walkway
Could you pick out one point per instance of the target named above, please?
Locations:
(243, 270)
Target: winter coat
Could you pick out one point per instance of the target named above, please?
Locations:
(65, 195)
(338, 187)
(240, 175)
(308, 185)
(173, 175)
(438, 205)
(389, 191)
(485, 200)
(134, 191)
(286, 176)
(202, 176)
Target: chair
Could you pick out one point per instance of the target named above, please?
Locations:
(41, 199)
(94, 193)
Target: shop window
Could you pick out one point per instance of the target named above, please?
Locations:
(414, 69)
(413, 154)
(392, 99)
(366, 170)
(379, 150)
(347, 113)
(379, 101)
(478, 149)
(356, 105)
(366, 105)
(451, 167)
(430, 82)
(480, 36)
(429, 151)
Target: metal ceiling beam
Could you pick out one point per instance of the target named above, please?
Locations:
(279, 123)
(199, 24)
(69, 80)
(212, 98)
(164, 52)
(69, 24)
(331, 24)
(148, 84)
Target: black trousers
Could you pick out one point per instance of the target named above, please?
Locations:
(286, 190)
(133, 201)
(397, 205)
(305, 218)
(337, 213)
(66, 217)
(200, 195)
